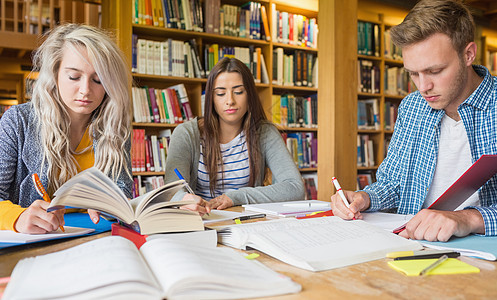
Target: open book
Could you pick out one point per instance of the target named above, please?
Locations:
(112, 267)
(147, 214)
(316, 244)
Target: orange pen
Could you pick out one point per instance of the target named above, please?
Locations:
(41, 190)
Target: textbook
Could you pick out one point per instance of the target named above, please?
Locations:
(150, 213)
(113, 268)
(316, 244)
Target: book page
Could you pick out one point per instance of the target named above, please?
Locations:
(211, 273)
(99, 267)
(320, 243)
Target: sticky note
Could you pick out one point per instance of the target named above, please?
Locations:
(237, 221)
(252, 256)
(450, 266)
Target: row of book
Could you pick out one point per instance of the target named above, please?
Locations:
(303, 147)
(368, 41)
(365, 178)
(166, 58)
(311, 186)
(170, 106)
(143, 185)
(149, 152)
(246, 21)
(298, 68)
(368, 116)
(251, 56)
(368, 77)
(391, 51)
(295, 111)
(294, 29)
(391, 111)
(365, 151)
(181, 14)
(368, 38)
(182, 59)
(249, 20)
(398, 82)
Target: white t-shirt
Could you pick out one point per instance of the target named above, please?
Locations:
(454, 158)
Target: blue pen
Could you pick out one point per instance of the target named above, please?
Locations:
(188, 188)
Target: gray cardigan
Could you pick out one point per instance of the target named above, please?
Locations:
(184, 153)
(20, 157)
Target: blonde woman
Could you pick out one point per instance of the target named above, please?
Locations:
(79, 117)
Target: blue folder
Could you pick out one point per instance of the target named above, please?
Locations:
(471, 242)
(75, 220)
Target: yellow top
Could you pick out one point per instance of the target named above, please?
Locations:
(10, 212)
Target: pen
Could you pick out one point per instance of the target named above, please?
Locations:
(426, 256)
(340, 192)
(41, 190)
(188, 188)
(321, 205)
(243, 218)
(434, 265)
(416, 253)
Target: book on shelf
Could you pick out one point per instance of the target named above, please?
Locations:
(391, 50)
(365, 151)
(147, 214)
(311, 185)
(160, 269)
(316, 244)
(170, 106)
(302, 147)
(368, 38)
(294, 111)
(293, 29)
(391, 111)
(368, 77)
(294, 69)
(167, 58)
(365, 178)
(149, 151)
(368, 114)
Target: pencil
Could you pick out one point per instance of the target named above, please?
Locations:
(41, 190)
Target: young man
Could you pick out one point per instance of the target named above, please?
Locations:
(440, 131)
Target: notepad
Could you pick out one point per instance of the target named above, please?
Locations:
(415, 266)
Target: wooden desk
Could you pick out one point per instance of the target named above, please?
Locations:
(371, 280)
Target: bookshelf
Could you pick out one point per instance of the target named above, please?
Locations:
(117, 17)
(381, 80)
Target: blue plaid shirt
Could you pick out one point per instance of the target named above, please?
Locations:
(405, 175)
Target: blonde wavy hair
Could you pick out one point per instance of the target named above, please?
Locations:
(110, 122)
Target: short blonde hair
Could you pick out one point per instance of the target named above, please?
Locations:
(450, 17)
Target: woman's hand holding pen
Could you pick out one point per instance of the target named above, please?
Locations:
(359, 201)
(201, 206)
(36, 220)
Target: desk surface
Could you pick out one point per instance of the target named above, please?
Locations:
(371, 280)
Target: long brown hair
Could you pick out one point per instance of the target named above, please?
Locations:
(209, 125)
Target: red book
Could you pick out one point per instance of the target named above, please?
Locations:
(130, 234)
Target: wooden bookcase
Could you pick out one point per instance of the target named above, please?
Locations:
(117, 17)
